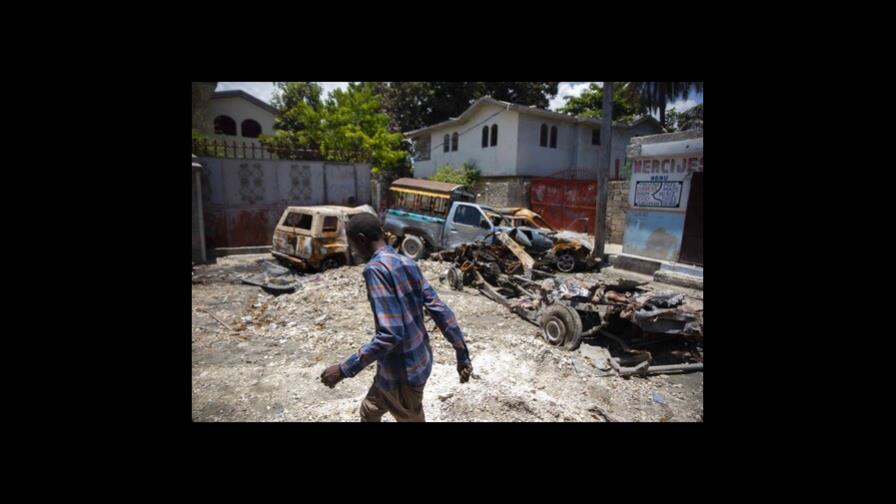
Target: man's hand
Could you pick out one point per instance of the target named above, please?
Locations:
(465, 371)
(331, 376)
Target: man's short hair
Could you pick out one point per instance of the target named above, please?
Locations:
(364, 223)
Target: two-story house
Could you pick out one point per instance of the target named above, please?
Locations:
(231, 116)
(511, 143)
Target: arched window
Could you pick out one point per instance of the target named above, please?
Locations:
(494, 135)
(225, 125)
(544, 136)
(595, 137)
(250, 128)
(485, 136)
(553, 137)
(445, 144)
(454, 141)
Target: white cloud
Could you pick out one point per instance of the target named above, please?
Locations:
(565, 89)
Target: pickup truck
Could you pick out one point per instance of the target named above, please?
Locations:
(420, 233)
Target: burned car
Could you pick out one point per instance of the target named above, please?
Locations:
(313, 238)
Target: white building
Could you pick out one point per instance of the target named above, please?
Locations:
(505, 139)
(237, 116)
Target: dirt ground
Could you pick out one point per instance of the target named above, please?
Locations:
(267, 366)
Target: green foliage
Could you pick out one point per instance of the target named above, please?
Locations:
(626, 103)
(655, 95)
(349, 125)
(413, 105)
(466, 175)
(203, 145)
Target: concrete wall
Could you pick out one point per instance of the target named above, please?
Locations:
(496, 161)
(244, 198)
(239, 109)
(617, 207)
(503, 191)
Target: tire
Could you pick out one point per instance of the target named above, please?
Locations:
(455, 278)
(328, 264)
(566, 262)
(561, 326)
(413, 247)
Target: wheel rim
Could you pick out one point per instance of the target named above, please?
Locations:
(554, 331)
(566, 263)
(411, 247)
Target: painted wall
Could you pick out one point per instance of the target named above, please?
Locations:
(658, 200)
(538, 161)
(243, 199)
(239, 109)
(496, 161)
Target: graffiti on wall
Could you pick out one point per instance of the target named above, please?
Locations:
(658, 193)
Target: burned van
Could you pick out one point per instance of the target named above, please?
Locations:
(313, 237)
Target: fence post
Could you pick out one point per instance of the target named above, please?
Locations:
(244, 149)
(253, 151)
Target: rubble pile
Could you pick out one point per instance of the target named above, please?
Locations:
(262, 360)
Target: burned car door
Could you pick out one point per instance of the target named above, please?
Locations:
(466, 223)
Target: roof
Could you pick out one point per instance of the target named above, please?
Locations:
(532, 110)
(332, 209)
(239, 93)
(429, 185)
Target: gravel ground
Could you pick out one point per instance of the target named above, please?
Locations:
(267, 366)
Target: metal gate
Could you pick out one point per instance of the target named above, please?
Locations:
(565, 204)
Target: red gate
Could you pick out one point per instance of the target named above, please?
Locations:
(565, 204)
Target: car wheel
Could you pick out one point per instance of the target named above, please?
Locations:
(455, 278)
(413, 247)
(566, 262)
(561, 326)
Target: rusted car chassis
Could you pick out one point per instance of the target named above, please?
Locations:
(567, 312)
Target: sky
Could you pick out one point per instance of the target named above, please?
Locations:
(265, 90)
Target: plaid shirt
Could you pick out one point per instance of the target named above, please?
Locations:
(398, 293)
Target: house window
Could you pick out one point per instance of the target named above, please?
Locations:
(494, 135)
(553, 137)
(250, 128)
(595, 137)
(544, 136)
(445, 145)
(485, 136)
(225, 125)
(454, 141)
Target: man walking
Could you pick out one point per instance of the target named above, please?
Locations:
(398, 294)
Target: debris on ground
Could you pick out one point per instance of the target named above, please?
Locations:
(258, 356)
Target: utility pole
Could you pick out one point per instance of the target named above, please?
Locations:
(603, 173)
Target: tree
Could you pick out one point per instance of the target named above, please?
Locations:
(465, 175)
(692, 118)
(413, 105)
(655, 95)
(349, 125)
(673, 120)
(626, 103)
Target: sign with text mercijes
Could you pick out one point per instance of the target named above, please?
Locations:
(662, 183)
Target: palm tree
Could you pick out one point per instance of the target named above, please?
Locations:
(655, 95)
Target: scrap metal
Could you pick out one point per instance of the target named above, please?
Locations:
(567, 311)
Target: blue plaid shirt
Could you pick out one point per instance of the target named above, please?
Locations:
(398, 293)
